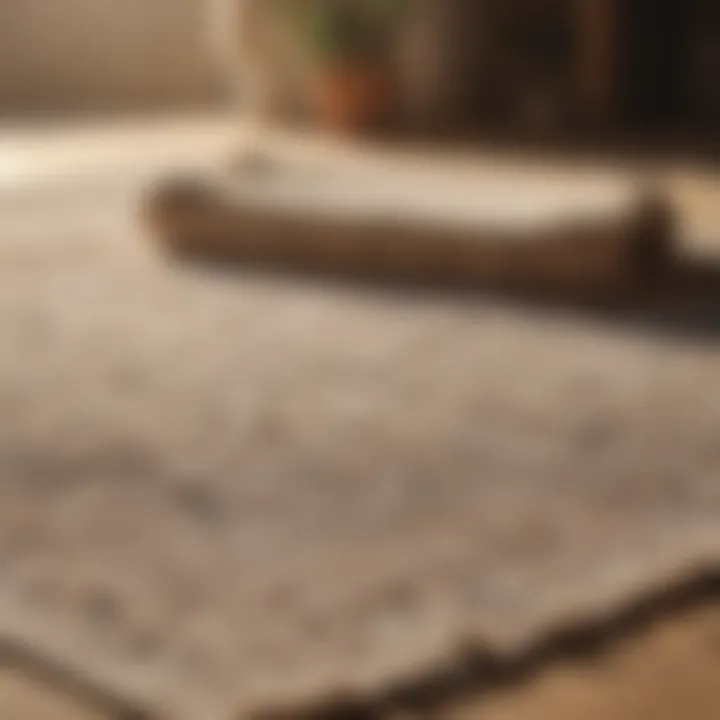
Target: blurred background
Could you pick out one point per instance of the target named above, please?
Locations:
(609, 69)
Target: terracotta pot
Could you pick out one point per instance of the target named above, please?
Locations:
(352, 98)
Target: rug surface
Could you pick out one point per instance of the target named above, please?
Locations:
(220, 491)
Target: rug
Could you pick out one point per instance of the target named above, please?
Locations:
(226, 492)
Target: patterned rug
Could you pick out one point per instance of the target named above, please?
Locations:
(225, 492)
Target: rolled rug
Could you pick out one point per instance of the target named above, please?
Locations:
(513, 229)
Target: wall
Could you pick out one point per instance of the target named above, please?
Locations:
(97, 54)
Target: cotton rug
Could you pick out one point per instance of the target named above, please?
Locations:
(224, 492)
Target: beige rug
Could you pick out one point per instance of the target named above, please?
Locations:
(223, 492)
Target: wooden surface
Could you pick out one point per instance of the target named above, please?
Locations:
(22, 697)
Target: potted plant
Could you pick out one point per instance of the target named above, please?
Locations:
(349, 45)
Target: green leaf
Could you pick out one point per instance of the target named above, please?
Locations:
(337, 30)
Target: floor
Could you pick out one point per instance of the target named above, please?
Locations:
(667, 671)
(22, 697)
(671, 671)
(37, 152)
